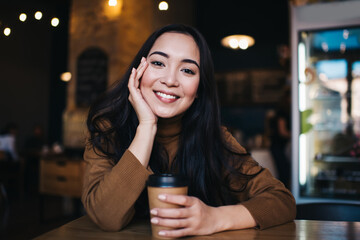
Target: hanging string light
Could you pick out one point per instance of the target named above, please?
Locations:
(38, 15)
(55, 22)
(22, 17)
(7, 31)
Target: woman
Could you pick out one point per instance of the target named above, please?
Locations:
(163, 117)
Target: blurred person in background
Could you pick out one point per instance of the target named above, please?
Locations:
(8, 142)
(281, 136)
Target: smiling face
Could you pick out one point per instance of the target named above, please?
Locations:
(170, 82)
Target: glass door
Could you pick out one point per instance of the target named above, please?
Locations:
(329, 113)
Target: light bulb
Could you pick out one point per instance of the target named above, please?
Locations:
(7, 31)
(55, 22)
(163, 6)
(22, 17)
(38, 15)
(112, 3)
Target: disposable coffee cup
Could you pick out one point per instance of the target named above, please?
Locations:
(160, 184)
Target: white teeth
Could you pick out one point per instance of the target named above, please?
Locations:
(166, 95)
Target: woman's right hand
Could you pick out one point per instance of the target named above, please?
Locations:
(143, 111)
(142, 144)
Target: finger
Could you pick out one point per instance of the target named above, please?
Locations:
(140, 70)
(177, 199)
(170, 212)
(132, 78)
(132, 75)
(171, 223)
(176, 233)
(141, 64)
(139, 73)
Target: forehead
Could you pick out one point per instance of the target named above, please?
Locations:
(177, 44)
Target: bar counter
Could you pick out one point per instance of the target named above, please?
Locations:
(84, 228)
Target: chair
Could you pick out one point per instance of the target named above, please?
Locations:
(12, 174)
(328, 211)
(4, 208)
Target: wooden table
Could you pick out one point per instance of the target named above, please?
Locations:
(84, 228)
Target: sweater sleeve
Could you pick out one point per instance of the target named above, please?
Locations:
(110, 190)
(267, 199)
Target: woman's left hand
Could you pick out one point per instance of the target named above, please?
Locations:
(194, 218)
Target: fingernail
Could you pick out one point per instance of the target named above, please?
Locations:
(154, 220)
(162, 197)
(162, 233)
(154, 212)
(142, 59)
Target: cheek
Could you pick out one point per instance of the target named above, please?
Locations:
(191, 89)
(147, 79)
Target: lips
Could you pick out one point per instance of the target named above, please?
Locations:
(166, 97)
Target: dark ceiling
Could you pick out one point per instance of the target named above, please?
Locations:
(267, 21)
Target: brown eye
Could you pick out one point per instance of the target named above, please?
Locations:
(157, 63)
(188, 71)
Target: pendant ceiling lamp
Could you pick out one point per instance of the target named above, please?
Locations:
(238, 41)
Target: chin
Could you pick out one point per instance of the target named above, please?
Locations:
(164, 113)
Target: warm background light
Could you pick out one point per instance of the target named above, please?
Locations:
(112, 9)
(238, 41)
(163, 6)
(66, 76)
(38, 15)
(243, 44)
(233, 43)
(7, 31)
(112, 3)
(55, 22)
(22, 17)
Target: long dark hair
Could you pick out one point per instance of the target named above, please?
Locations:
(112, 124)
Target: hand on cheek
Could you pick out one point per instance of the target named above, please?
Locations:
(193, 218)
(142, 109)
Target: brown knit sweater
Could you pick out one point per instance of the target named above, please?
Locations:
(111, 190)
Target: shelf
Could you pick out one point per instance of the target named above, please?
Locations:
(338, 179)
(336, 159)
(324, 128)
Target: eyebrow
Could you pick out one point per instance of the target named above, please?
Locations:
(186, 60)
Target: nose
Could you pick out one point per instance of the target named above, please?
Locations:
(170, 79)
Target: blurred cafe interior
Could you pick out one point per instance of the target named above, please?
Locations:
(292, 61)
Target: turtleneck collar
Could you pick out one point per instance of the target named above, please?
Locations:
(169, 127)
